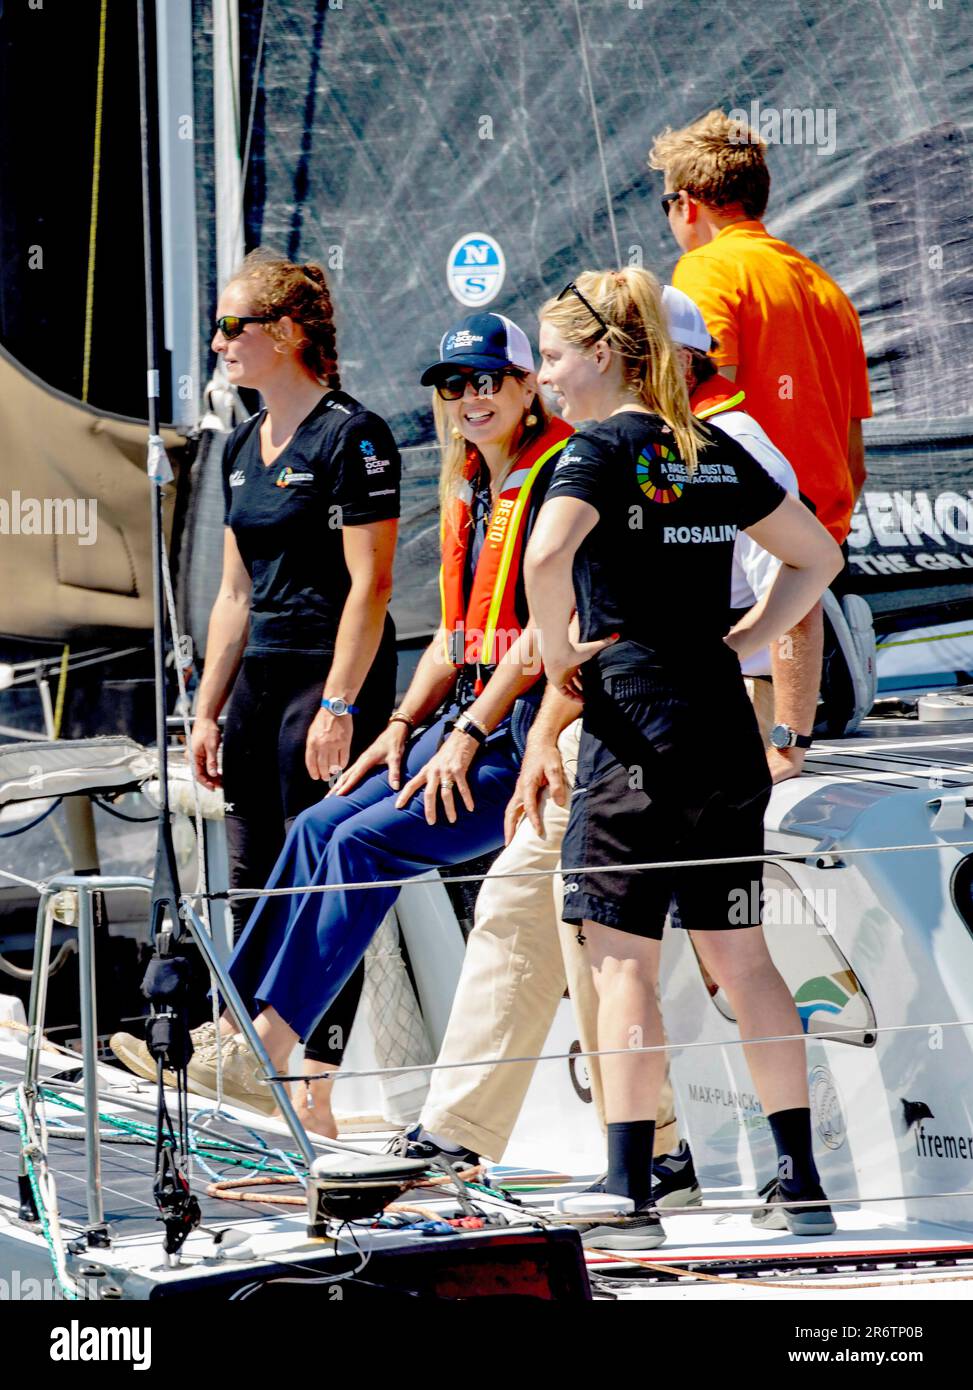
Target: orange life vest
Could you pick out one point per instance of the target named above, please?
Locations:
(714, 396)
(471, 629)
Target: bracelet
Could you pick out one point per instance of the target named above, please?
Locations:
(398, 717)
(467, 725)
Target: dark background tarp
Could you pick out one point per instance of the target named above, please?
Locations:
(369, 150)
(382, 133)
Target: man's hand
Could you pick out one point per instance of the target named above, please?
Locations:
(785, 763)
(328, 745)
(542, 768)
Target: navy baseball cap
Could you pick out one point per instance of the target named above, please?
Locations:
(485, 341)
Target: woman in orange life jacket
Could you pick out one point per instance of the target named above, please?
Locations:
(500, 448)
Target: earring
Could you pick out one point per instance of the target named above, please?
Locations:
(531, 420)
(455, 433)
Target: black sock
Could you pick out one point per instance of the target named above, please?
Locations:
(795, 1156)
(630, 1159)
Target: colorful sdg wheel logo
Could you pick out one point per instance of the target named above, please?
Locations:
(653, 476)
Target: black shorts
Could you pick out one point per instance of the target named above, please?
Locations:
(666, 773)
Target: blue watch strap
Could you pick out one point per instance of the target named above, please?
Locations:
(348, 709)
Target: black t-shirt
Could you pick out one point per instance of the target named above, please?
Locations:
(341, 468)
(656, 566)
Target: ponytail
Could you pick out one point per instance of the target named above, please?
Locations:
(629, 301)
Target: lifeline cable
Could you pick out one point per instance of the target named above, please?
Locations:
(793, 856)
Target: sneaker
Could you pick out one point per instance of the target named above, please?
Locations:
(638, 1230)
(416, 1143)
(133, 1053)
(242, 1084)
(674, 1182)
(802, 1221)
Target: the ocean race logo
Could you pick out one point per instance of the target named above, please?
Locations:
(475, 269)
(787, 125)
(49, 516)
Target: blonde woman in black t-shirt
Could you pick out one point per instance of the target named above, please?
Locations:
(301, 649)
(637, 532)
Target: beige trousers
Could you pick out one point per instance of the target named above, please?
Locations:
(519, 958)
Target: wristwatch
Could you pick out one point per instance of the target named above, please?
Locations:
(339, 706)
(783, 736)
(469, 726)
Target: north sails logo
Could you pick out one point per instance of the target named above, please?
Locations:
(237, 478)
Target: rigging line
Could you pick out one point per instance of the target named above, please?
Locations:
(89, 298)
(601, 148)
(255, 86)
(343, 1075)
(30, 676)
(9, 834)
(62, 685)
(795, 856)
(16, 878)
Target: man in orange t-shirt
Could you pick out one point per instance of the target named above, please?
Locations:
(786, 332)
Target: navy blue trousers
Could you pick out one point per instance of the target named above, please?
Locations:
(296, 952)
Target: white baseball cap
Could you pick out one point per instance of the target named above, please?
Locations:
(687, 327)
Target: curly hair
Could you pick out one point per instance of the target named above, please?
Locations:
(278, 286)
(717, 160)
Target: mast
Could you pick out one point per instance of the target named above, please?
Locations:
(165, 893)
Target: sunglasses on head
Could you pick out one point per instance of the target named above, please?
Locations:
(487, 381)
(232, 325)
(571, 288)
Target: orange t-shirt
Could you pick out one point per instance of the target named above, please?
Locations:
(796, 339)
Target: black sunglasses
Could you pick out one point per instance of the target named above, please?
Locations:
(232, 325)
(488, 381)
(667, 201)
(571, 288)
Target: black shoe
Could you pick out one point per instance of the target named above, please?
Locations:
(416, 1143)
(674, 1182)
(801, 1221)
(637, 1230)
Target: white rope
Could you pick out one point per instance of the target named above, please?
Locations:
(179, 647)
(798, 856)
(597, 128)
(16, 878)
(636, 1051)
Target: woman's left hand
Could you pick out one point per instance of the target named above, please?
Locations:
(563, 667)
(328, 745)
(444, 775)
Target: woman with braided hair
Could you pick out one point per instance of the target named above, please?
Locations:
(301, 649)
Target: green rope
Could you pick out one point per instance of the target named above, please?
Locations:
(68, 1292)
(204, 1148)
